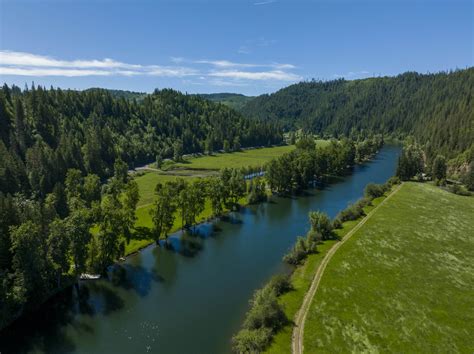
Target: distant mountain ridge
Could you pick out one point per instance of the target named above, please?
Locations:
(128, 95)
(234, 100)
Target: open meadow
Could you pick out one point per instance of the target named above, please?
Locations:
(238, 159)
(404, 282)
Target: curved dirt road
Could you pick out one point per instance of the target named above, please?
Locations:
(298, 331)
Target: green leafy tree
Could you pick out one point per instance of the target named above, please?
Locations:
(91, 189)
(129, 205)
(321, 223)
(58, 248)
(439, 168)
(29, 261)
(78, 225)
(164, 209)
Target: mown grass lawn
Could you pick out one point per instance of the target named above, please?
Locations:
(403, 283)
(301, 281)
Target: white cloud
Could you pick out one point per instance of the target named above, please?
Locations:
(266, 2)
(27, 64)
(219, 72)
(51, 72)
(352, 74)
(230, 64)
(259, 75)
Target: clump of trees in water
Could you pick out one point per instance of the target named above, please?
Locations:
(186, 200)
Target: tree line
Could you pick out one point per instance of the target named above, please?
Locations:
(414, 164)
(186, 200)
(295, 170)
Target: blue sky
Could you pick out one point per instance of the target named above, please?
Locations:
(251, 47)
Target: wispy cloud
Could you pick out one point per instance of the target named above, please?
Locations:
(231, 64)
(252, 44)
(27, 64)
(266, 2)
(352, 74)
(257, 75)
(220, 72)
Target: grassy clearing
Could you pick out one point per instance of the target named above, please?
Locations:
(403, 283)
(301, 281)
(239, 159)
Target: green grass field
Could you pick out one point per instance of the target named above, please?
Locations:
(301, 281)
(245, 158)
(403, 283)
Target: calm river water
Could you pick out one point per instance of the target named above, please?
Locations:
(191, 299)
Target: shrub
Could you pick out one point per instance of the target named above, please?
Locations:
(297, 253)
(251, 340)
(373, 190)
(265, 311)
(393, 181)
(280, 283)
(337, 223)
(321, 223)
(353, 212)
(457, 189)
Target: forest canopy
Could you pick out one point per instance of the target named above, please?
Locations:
(437, 109)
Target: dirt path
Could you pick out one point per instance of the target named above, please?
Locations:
(298, 331)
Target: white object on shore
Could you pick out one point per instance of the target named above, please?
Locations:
(85, 276)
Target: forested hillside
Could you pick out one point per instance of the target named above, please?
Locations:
(233, 100)
(43, 133)
(437, 109)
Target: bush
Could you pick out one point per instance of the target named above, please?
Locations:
(457, 189)
(353, 212)
(280, 283)
(265, 311)
(297, 253)
(251, 340)
(337, 223)
(373, 190)
(393, 181)
(321, 223)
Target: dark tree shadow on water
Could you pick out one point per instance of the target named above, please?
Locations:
(134, 277)
(42, 330)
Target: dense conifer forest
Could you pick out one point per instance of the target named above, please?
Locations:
(43, 132)
(437, 109)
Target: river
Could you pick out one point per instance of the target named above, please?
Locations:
(191, 299)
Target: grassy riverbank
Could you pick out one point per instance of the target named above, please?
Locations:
(403, 282)
(301, 281)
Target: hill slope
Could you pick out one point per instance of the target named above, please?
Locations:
(437, 109)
